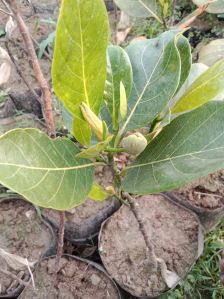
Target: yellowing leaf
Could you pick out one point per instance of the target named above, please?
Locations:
(79, 62)
(123, 101)
(95, 150)
(98, 193)
(81, 130)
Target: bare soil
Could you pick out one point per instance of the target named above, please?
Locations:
(173, 232)
(76, 280)
(22, 233)
(207, 193)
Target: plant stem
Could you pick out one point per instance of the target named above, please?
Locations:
(60, 240)
(115, 150)
(46, 93)
(152, 259)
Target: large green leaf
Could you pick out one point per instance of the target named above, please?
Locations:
(190, 147)
(79, 63)
(140, 8)
(204, 89)
(156, 70)
(217, 7)
(118, 69)
(44, 171)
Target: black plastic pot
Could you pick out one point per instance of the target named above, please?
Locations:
(48, 252)
(124, 233)
(96, 266)
(208, 218)
(88, 228)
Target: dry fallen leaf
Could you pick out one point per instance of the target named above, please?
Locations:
(9, 27)
(5, 67)
(15, 262)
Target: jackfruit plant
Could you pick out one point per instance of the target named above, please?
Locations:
(132, 100)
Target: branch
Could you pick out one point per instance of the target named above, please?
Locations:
(46, 93)
(151, 256)
(20, 73)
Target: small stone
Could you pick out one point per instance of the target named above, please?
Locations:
(30, 214)
(95, 279)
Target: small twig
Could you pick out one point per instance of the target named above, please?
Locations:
(5, 12)
(13, 276)
(7, 6)
(46, 93)
(151, 256)
(60, 242)
(208, 194)
(192, 17)
(20, 73)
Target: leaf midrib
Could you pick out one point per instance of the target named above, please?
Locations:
(50, 168)
(150, 11)
(143, 91)
(82, 58)
(172, 158)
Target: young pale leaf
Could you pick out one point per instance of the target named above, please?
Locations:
(81, 130)
(118, 69)
(79, 63)
(46, 172)
(140, 8)
(5, 66)
(156, 69)
(190, 147)
(196, 70)
(123, 101)
(204, 89)
(94, 150)
(97, 193)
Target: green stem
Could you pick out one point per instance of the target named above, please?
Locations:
(120, 199)
(115, 150)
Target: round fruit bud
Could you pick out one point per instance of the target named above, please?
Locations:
(134, 144)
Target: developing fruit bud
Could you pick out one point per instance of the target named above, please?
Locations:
(96, 124)
(134, 144)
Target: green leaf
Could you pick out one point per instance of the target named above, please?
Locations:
(118, 69)
(2, 31)
(216, 7)
(94, 150)
(97, 193)
(190, 147)
(140, 8)
(43, 170)
(79, 63)
(184, 49)
(204, 89)
(196, 70)
(156, 69)
(43, 45)
(81, 130)
(212, 52)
